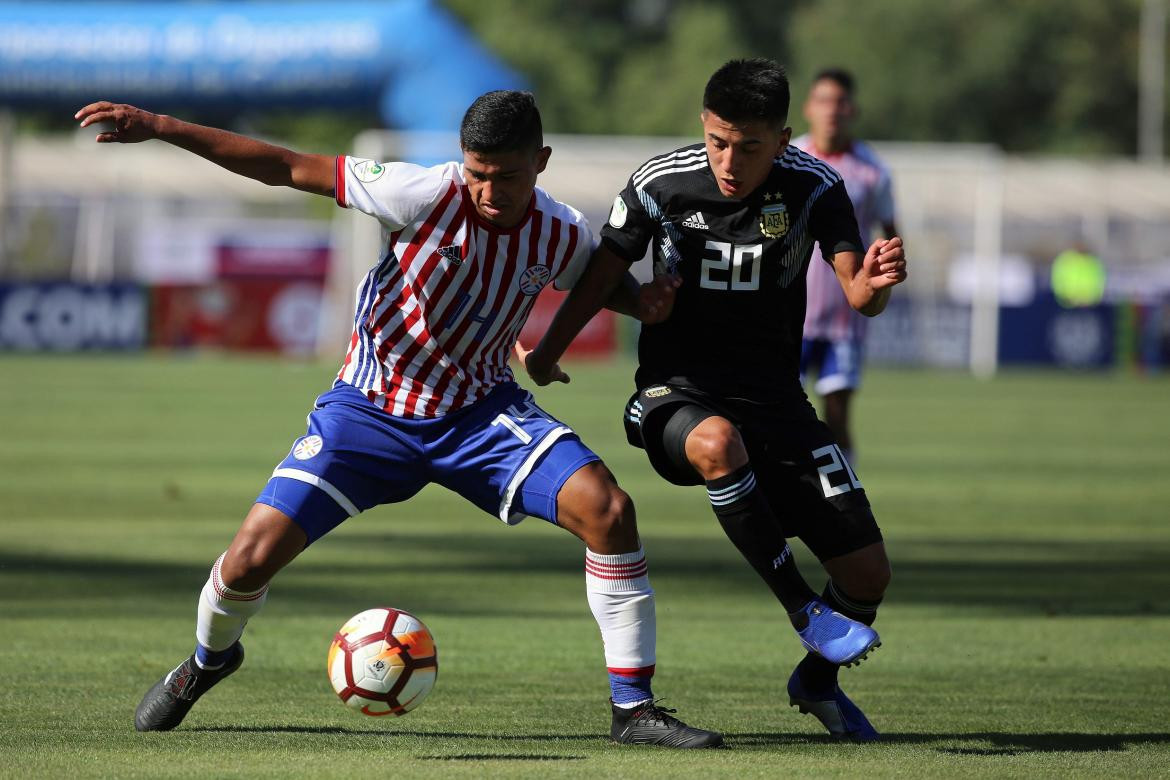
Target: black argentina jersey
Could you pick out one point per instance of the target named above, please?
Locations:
(735, 330)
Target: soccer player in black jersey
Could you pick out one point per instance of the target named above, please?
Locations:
(719, 402)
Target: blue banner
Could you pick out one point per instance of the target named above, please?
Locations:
(408, 59)
(1044, 332)
(67, 317)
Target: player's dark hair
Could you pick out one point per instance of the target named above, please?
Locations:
(748, 90)
(839, 76)
(502, 121)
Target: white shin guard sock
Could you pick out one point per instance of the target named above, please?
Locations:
(224, 612)
(622, 601)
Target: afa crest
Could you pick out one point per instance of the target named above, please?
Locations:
(773, 217)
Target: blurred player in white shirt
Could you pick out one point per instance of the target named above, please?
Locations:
(834, 333)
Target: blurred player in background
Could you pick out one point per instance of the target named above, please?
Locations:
(834, 333)
(719, 400)
(425, 393)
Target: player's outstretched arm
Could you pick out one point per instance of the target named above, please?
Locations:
(597, 284)
(272, 165)
(867, 280)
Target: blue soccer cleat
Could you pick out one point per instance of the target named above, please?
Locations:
(833, 709)
(834, 637)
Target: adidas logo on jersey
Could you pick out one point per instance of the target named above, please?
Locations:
(695, 221)
(452, 253)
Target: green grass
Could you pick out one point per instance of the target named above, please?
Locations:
(1027, 631)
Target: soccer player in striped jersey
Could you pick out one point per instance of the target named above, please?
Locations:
(834, 334)
(719, 401)
(425, 393)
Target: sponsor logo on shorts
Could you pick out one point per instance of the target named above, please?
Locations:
(534, 279)
(656, 392)
(308, 447)
(368, 170)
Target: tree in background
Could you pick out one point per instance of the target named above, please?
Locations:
(1029, 75)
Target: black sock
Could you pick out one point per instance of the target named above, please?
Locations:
(751, 526)
(817, 673)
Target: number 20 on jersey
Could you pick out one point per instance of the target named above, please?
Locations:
(730, 267)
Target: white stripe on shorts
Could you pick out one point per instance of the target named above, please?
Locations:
(522, 473)
(313, 479)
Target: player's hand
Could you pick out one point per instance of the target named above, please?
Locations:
(885, 263)
(124, 124)
(541, 375)
(656, 298)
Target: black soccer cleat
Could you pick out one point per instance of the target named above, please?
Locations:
(166, 704)
(650, 724)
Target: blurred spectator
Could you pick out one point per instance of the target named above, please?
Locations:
(1078, 278)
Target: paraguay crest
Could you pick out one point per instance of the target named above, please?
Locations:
(773, 216)
(534, 279)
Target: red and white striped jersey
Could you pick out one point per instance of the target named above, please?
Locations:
(828, 314)
(437, 316)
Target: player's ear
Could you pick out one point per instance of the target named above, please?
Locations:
(783, 140)
(542, 156)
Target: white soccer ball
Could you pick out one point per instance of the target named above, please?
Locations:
(383, 662)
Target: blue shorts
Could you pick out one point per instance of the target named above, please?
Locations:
(503, 453)
(837, 364)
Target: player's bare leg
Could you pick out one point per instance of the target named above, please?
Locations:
(858, 580)
(837, 418)
(591, 506)
(267, 541)
(864, 574)
(236, 590)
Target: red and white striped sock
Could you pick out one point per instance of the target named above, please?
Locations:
(223, 613)
(622, 601)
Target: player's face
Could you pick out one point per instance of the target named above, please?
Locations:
(501, 183)
(741, 155)
(829, 110)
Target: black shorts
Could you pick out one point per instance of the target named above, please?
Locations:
(811, 488)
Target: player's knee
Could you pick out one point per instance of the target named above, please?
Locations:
(247, 565)
(615, 519)
(864, 574)
(715, 448)
(879, 577)
(266, 541)
(609, 523)
(870, 578)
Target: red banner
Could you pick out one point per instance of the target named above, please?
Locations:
(596, 339)
(246, 314)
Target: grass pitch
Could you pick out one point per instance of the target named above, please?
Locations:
(1027, 631)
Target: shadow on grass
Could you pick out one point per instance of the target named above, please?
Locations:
(501, 757)
(990, 743)
(1045, 578)
(998, 743)
(391, 733)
